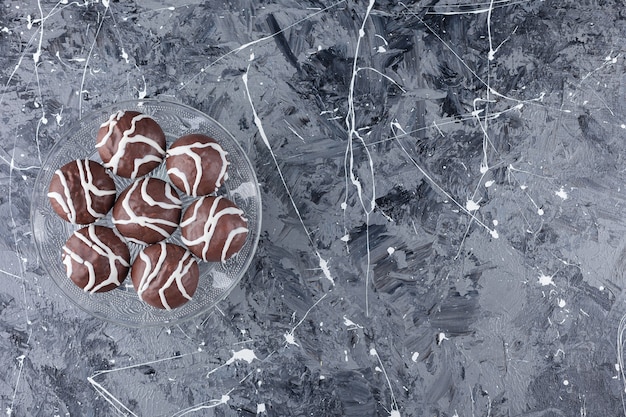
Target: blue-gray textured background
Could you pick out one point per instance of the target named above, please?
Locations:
(442, 188)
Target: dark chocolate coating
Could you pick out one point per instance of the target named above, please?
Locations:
(131, 144)
(148, 211)
(96, 259)
(81, 191)
(197, 164)
(214, 229)
(165, 275)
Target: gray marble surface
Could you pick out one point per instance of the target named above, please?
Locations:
(442, 189)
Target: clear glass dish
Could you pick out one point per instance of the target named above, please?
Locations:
(121, 305)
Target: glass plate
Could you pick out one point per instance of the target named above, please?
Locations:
(122, 306)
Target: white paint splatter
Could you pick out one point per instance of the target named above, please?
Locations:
(114, 401)
(290, 338)
(242, 355)
(489, 183)
(184, 85)
(415, 356)
(471, 205)
(612, 60)
(205, 406)
(381, 368)
(246, 355)
(545, 280)
(561, 193)
(325, 269)
(82, 90)
(441, 337)
(260, 408)
(59, 117)
(259, 124)
(349, 323)
(395, 126)
(390, 250)
(620, 350)
(349, 159)
(124, 55)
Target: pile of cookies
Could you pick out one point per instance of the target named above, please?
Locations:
(165, 275)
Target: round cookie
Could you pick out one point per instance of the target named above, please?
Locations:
(197, 164)
(96, 259)
(214, 229)
(165, 275)
(81, 191)
(148, 211)
(131, 144)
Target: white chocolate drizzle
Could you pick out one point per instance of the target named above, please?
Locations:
(210, 226)
(66, 200)
(139, 162)
(128, 136)
(229, 240)
(92, 241)
(144, 221)
(151, 273)
(189, 150)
